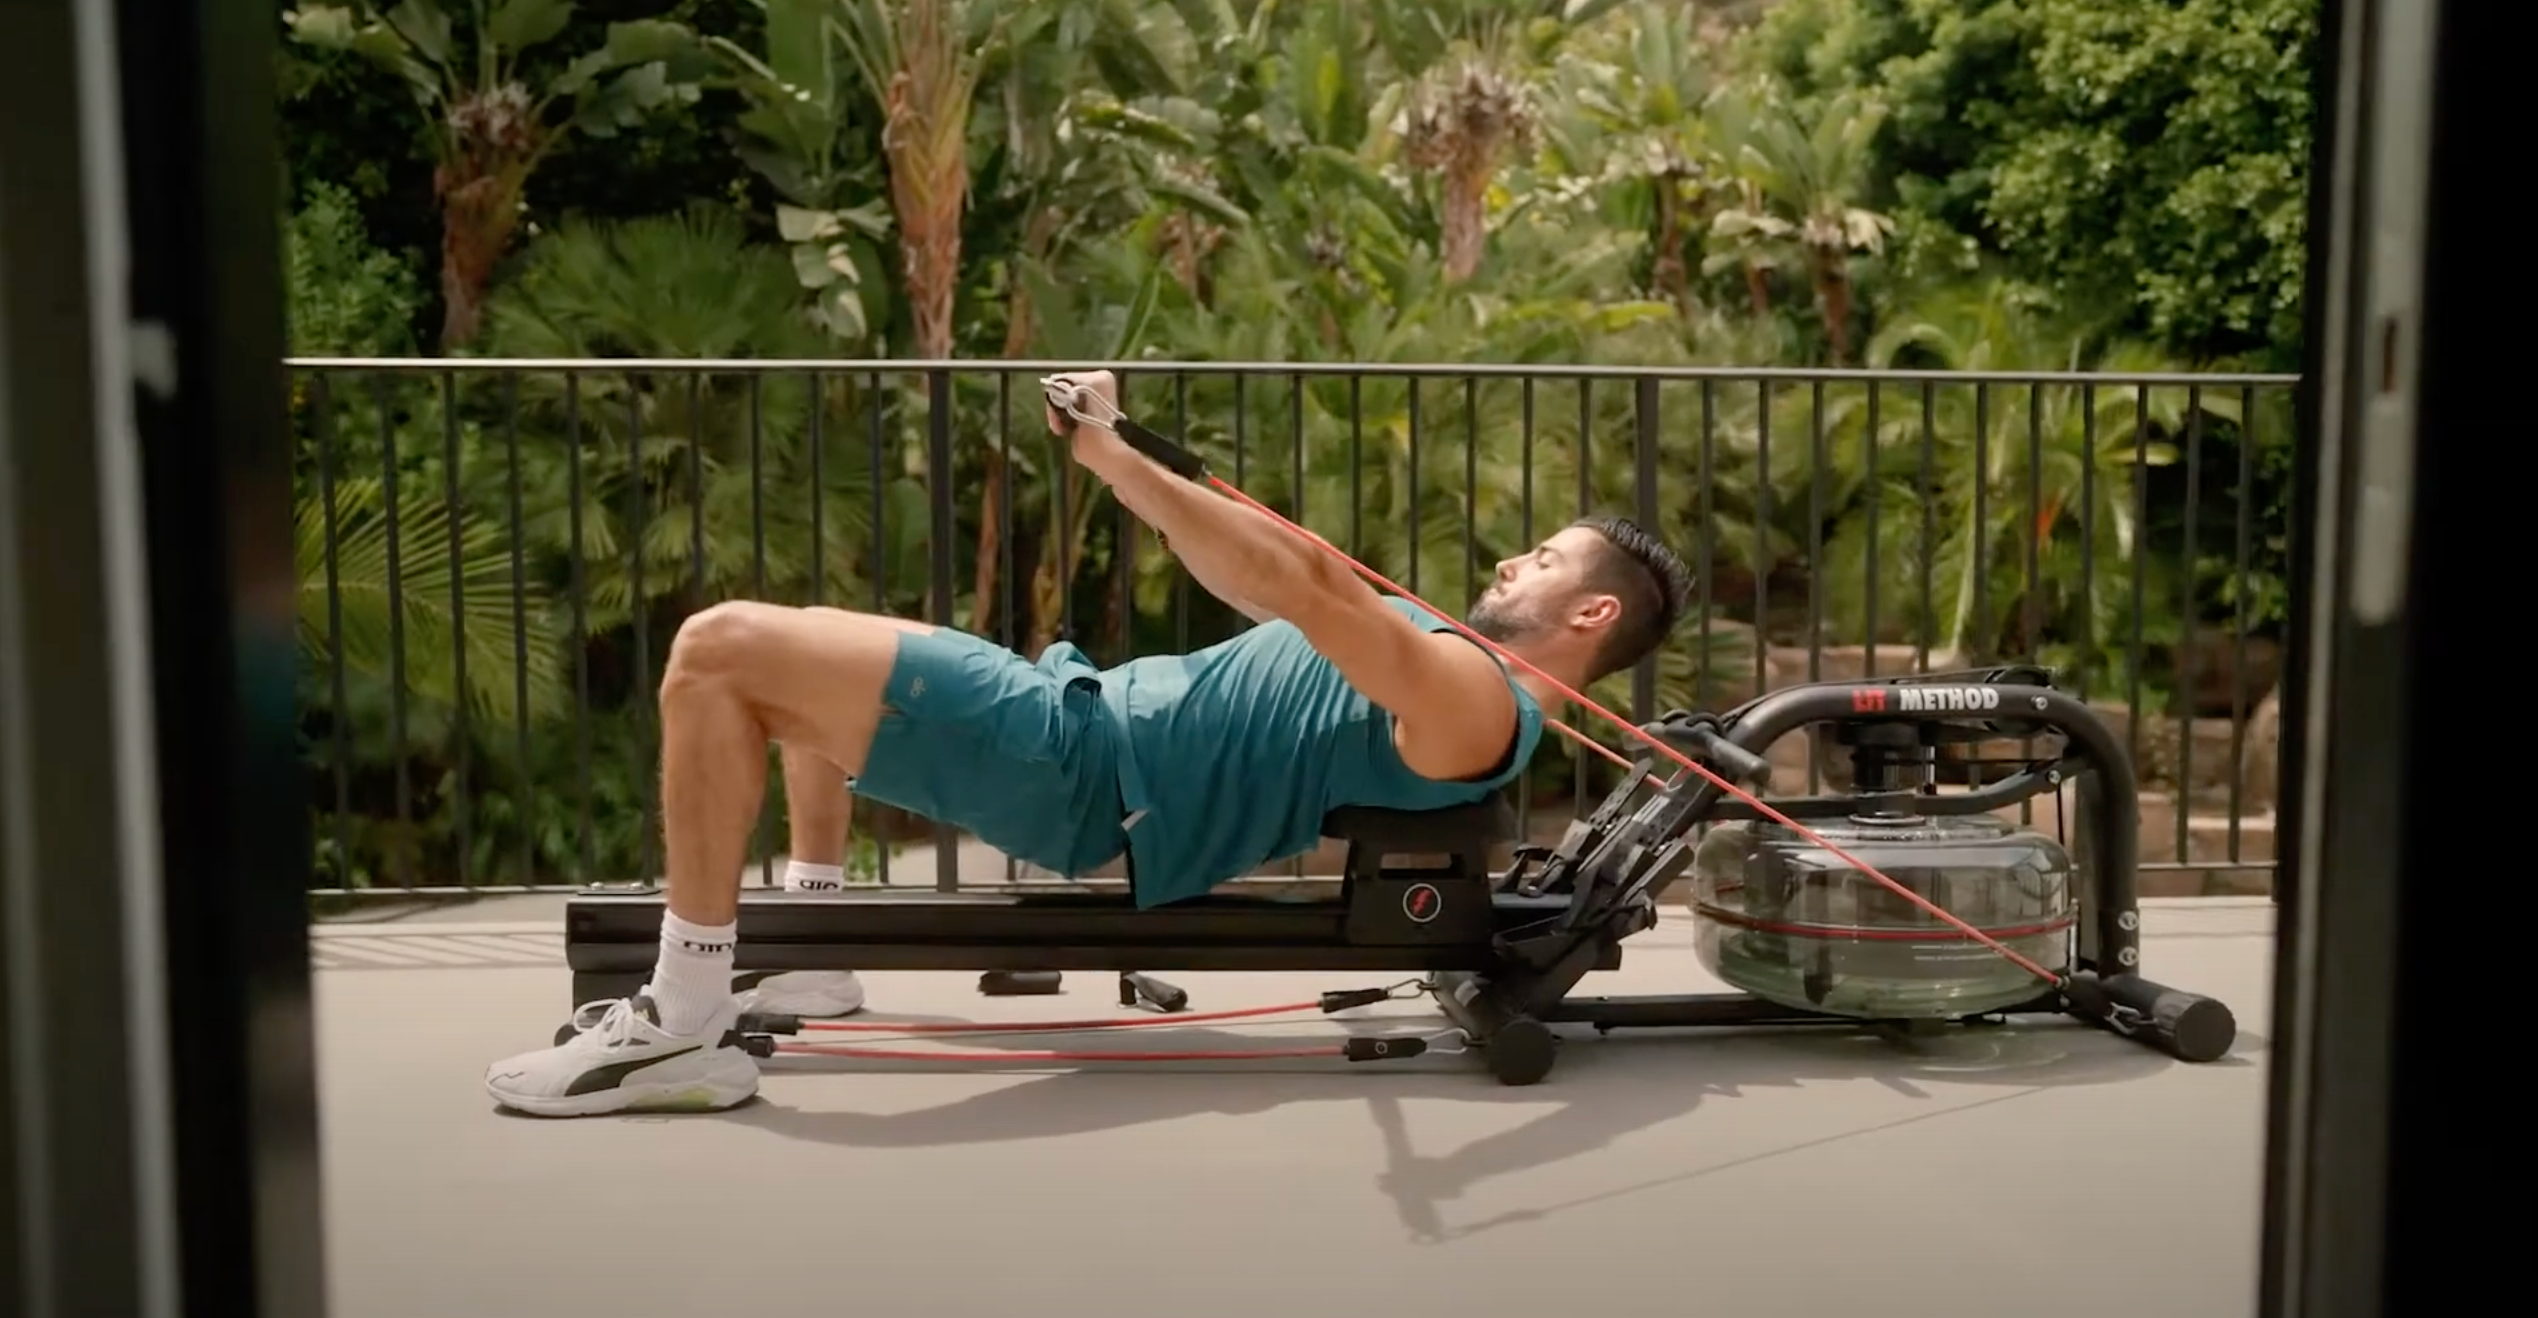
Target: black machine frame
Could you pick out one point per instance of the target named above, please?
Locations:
(1501, 952)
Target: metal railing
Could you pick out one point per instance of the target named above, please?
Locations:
(495, 553)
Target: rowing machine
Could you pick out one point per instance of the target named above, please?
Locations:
(1789, 917)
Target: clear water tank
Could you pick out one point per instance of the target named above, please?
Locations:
(1788, 921)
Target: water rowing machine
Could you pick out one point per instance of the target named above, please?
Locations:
(2038, 924)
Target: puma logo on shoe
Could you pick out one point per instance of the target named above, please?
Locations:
(617, 1073)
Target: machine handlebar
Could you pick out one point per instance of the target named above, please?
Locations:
(1698, 735)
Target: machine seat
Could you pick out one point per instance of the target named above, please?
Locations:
(1455, 828)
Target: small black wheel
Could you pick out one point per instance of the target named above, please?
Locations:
(1020, 983)
(1522, 1051)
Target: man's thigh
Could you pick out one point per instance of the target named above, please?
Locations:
(815, 677)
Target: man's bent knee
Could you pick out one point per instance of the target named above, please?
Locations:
(720, 639)
(813, 676)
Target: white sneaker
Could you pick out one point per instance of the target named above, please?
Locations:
(810, 994)
(623, 1061)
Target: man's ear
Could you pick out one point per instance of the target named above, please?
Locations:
(1596, 611)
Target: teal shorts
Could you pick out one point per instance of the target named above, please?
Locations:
(1023, 756)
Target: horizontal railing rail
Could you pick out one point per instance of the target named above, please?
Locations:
(1335, 370)
(495, 554)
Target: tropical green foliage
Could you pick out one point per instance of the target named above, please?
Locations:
(2004, 185)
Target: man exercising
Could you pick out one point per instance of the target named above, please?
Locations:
(1199, 767)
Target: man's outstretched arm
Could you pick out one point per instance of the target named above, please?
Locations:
(1453, 711)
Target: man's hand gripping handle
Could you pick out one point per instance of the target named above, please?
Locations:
(1078, 404)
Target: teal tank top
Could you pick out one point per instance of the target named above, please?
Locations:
(1231, 755)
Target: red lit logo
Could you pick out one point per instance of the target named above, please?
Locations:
(1422, 902)
(1868, 700)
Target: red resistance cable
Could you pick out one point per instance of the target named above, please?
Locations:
(1055, 1027)
(1363, 1048)
(1759, 807)
(922, 1055)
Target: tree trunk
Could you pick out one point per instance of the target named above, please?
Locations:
(1466, 218)
(480, 211)
(1672, 278)
(983, 607)
(925, 137)
(1758, 288)
(1833, 302)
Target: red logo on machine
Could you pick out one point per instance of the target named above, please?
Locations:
(1422, 902)
(1868, 700)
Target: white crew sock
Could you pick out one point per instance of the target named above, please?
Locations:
(803, 876)
(692, 980)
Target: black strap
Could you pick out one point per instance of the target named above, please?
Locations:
(1177, 459)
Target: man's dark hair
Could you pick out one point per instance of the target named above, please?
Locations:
(1651, 582)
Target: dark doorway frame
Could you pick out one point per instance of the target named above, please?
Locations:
(155, 1039)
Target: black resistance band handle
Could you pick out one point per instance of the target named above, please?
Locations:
(1178, 460)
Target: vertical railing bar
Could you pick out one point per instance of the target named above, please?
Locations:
(2031, 621)
(1929, 526)
(1126, 532)
(1295, 440)
(1762, 538)
(696, 486)
(1874, 570)
(758, 844)
(941, 542)
(1983, 633)
(876, 444)
(1357, 466)
(1705, 536)
(2088, 538)
(1180, 578)
(1242, 445)
(1007, 634)
(2188, 674)
(578, 570)
(696, 493)
(1579, 799)
(1815, 567)
(638, 619)
(526, 789)
(1647, 404)
(1524, 537)
(2140, 570)
(757, 486)
(1416, 531)
(2244, 554)
(461, 739)
(388, 499)
(817, 387)
(322, 401)
(1471, 483)
(1295, 461)
(1062, 471)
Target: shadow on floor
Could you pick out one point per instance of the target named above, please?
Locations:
(1602, 1090)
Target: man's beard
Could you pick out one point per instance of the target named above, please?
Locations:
(1502, 620)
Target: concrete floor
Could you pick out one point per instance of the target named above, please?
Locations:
(2044, 1168)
